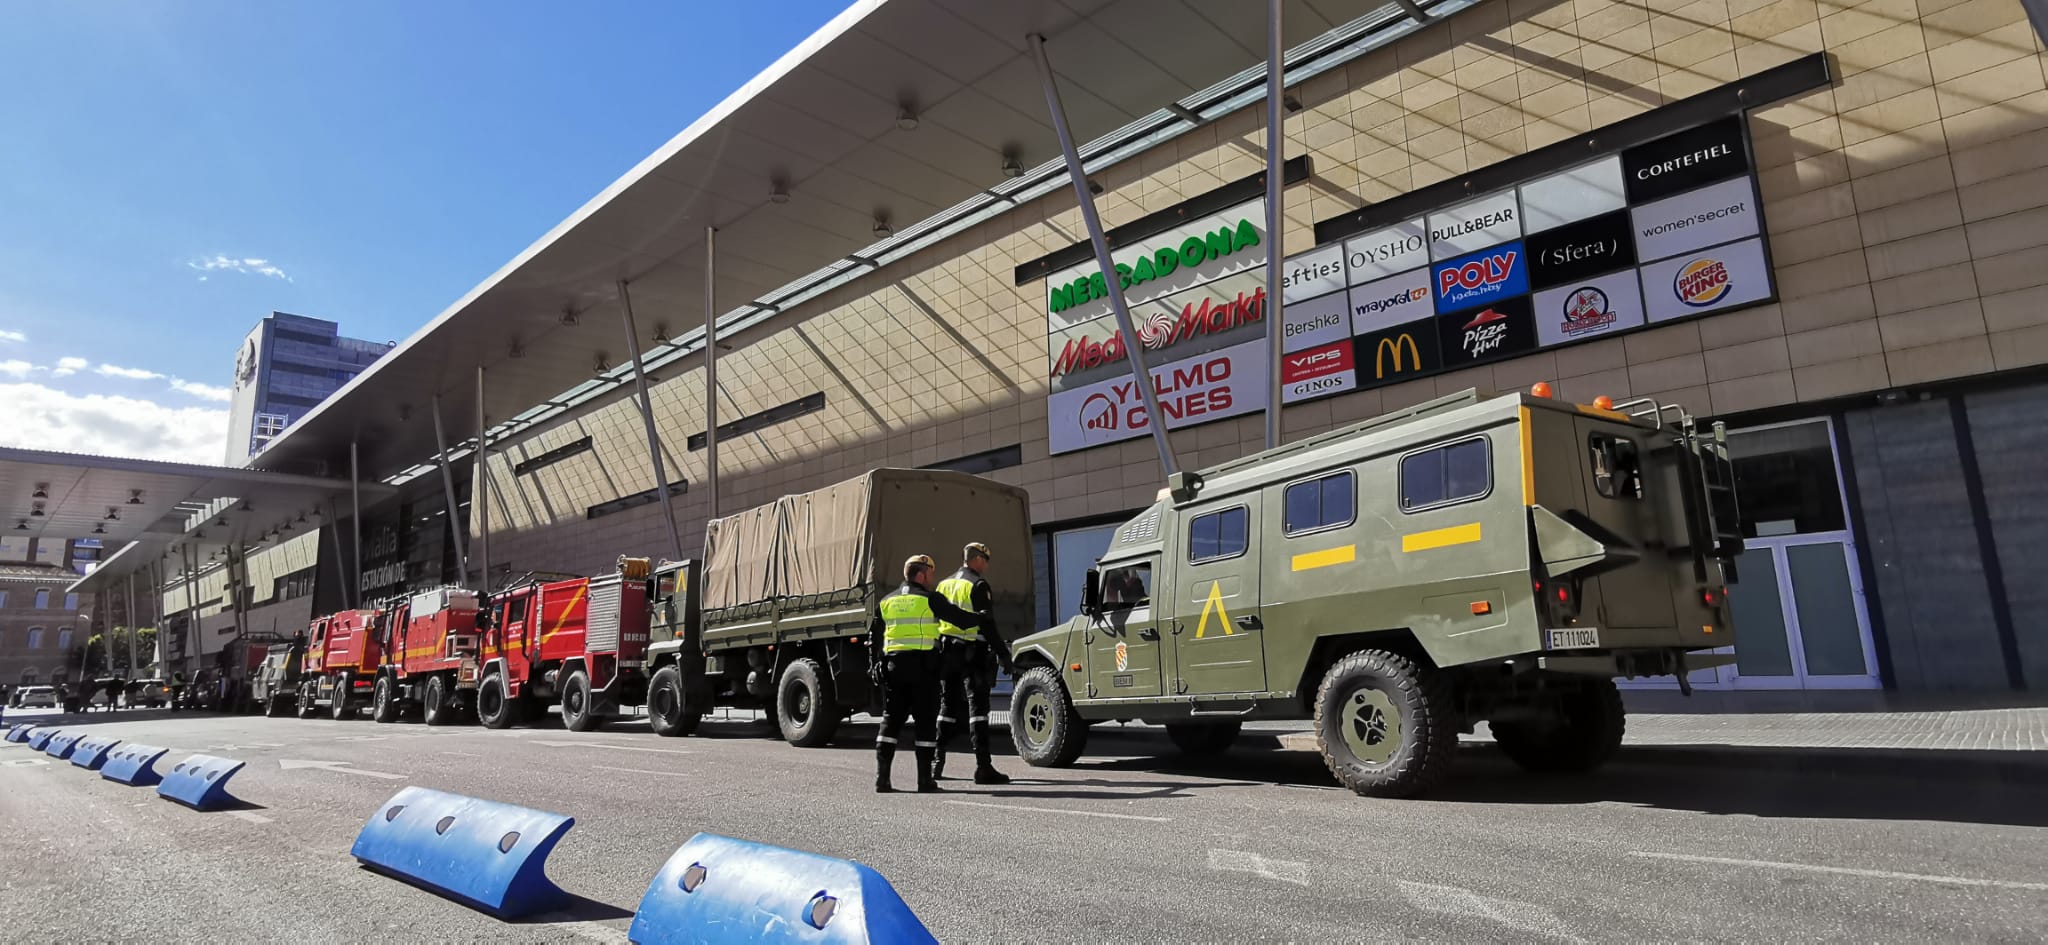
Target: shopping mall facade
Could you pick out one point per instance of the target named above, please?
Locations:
(1823, 224)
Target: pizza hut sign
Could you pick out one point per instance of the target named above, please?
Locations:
(1211, 386)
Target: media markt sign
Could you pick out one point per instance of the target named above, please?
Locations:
(1189, 255)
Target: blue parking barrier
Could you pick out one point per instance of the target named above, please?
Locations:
(717, 889)
(20, 733)
(132, 763)
(200, 782)
(484, 854)
(92, 752)
(59, 746)
(39, 738)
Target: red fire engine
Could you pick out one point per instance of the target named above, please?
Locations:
(430, 656)
(581, 641)
(342, 655)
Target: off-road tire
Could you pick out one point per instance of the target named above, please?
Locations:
(434, 706)
(273, 707)
(805, 708)
(385, 706)
(1045, 728)
(1203, 739)
(339, 709)
(578, 713)
(493, 706)
(308, 707)
(668, 705)
(1418, 741)
(1583, 735)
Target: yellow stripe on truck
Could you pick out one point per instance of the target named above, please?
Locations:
(1441, 538)
(1309, 561)
(1528, 461)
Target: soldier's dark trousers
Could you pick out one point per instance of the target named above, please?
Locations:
(913, 683)
(967, 675)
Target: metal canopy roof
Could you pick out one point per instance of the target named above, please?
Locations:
(157, 504)
(825, 125)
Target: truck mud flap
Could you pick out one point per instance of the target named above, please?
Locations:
(20, 733)
(92, 752)
(200, 782)
(132, 763)
(484, 854)
(718, 889)
(61, 744)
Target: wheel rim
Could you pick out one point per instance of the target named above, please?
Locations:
(1037, 717)
(573, 699)
(1371, 726)
(488, 701)
(798, 705)
(663, 703)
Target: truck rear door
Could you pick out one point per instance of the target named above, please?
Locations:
(1611, 490)
(1218, 643)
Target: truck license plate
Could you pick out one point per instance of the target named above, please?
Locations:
(1574, 638)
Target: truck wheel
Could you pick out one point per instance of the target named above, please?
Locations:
(385, 707)
(804, 706)
(1384, 724)
(577, 714)
(668, 709)
(1584, 732)
(437, 710)
(308, 707)
(1202, 739)
(493, 706)
(1043, 724)
(273, 707)
(339, 708)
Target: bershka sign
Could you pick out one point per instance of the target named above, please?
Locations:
(1193, 254)
(1684, 161)
(1316, 322)
(1317, 372)
(1482, 277)
(1212, 386)
(1159, 331)
(1719, 213)
(1473, 224)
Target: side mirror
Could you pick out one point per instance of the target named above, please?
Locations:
(1091, 593)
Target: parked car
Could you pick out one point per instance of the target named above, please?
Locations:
(148, 692)
(34, 696)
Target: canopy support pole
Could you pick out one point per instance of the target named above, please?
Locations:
(1276, 123)
(455, 526)
(355, 518)
(646, 405)
(479, 490)
(710, 372)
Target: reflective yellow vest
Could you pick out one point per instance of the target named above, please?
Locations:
(908, 623)
(960, 591)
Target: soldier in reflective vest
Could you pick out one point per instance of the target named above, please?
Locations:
(903, 641)
(968, 655)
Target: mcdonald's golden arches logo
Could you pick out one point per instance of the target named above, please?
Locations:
(1392, 344)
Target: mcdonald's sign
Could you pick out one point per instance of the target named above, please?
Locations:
(1390, 348)
(1398, 352)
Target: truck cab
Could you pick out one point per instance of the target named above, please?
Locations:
(1497, 558)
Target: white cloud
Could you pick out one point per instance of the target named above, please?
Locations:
(202, 391)
(247, 265)
(44, 418)
(69, 366)
(13, 336)
(17, 368)
(133, 374)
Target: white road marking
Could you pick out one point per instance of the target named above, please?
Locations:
(1845, 871)
(658, 751)
(250, 816)
(26, 762)
(1058, 810)
(1234, 861)
(671, 774)
(1452, 900)
(341, 766)
(231, 746)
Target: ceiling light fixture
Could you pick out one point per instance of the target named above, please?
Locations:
(778, 192)
(36, 511)
(906, 118)
(135, 497)
(602, 364)
(42, 491)
(99, 529)
(882, 229)
(113, 515)
(1012, 168)
(21, 526)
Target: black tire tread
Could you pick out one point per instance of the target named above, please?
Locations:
(507, 712)
(1426, 700)
(434, 707)
(824, 707)
(1069, 736)
(687, 720)
(588, 720)
(384, 703)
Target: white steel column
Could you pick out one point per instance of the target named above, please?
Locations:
(1276, 158)
(710, 373)
(340, 570)
(1140, 371)
(479, 491)
(190, 556)
(133, 622)
(646, 403)
(355, 518)
(455, 527)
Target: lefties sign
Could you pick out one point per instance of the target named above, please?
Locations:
(1212, 386)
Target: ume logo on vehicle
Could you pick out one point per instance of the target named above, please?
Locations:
(1701, 282)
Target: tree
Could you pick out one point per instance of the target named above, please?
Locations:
(96, 653)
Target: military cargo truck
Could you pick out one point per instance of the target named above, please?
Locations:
(776, 618)
(1480, 557)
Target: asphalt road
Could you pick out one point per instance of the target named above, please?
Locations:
(1129, 846)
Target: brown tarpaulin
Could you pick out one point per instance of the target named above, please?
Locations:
(813, 543)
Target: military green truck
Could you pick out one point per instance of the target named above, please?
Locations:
(1480, 557)
(776, 618)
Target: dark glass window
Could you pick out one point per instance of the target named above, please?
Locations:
(1617, 467)
(1322, 503)
(1128, 586)
(1444, 475)
(1785, 480)
(1218, 534)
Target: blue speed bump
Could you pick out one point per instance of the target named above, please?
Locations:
(485, 854)
(735, 892)
(20, 732)
(92, 752)
(131, 764)
(200, 782)
(39, 738)
(59, 746)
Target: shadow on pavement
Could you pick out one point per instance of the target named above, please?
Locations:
(578, 909)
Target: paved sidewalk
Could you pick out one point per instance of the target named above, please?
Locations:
(1965, 730)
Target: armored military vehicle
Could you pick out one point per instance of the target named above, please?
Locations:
(1480, 557)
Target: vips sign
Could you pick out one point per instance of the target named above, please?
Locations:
(1212, 386)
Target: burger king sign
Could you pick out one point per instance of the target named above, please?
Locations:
(1707, 280)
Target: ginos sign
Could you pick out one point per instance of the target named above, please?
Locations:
(1210, 316)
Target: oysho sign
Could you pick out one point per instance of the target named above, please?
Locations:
(1211, 386)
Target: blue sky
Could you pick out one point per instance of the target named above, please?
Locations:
(172, 172)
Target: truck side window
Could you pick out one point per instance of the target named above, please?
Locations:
(1128, 586)
(1328, 502)
(1617, 469)
(1445, 474)
(1218, 535)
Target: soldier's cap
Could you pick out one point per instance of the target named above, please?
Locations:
(974, 549)
(925, 560)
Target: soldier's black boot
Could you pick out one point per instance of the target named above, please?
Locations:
(883, 756)
(939, 765)
(925, 783)
(985, 770)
